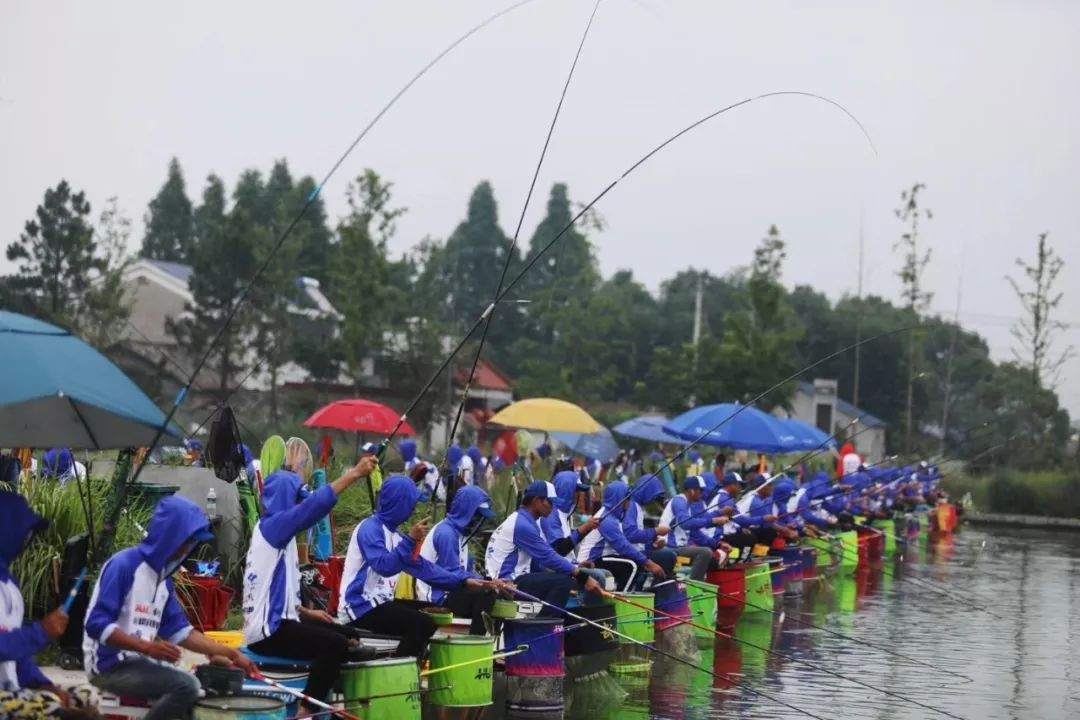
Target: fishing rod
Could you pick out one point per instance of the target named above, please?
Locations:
(652, 648)
(312, 197)
(305, 698)
(806, 623)
(589, 206)
(506, 264)
(784, 656)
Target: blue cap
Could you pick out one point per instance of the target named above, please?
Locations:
(694, 482)
(203, 536)
(369, 448)
(194, 444)
(733, 478)
(541, 489)
(484, 509)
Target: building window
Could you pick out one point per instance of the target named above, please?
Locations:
(823, 417)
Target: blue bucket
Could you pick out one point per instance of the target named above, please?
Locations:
(546, 653)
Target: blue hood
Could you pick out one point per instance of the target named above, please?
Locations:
(281, 491)
(820, 486)
(466, 502)
(712, 485)
(615, 493)
(694, 456)
(566, 485)
(57, 462)
(478, 459)
(649, 489)
(176, 521)
(783, 490)
(20, 522)
(408, 450)
(397, 500)
(453, 457)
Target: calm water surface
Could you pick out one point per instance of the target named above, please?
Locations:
(1025, 664)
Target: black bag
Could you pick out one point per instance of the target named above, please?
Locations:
(223, 448)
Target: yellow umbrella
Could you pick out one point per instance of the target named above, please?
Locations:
(548, 415)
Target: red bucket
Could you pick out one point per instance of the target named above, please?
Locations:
(206, 602)
(809, 563)
(730, 594)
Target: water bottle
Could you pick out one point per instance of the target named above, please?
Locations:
(211, 503)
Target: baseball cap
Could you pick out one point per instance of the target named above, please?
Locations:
(541, 489)
(733, 478)
(485, 509)
(694, 482)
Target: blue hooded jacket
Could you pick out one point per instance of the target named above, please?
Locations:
(57, 463)
(132, 576)
(289, 508)
(453, 457)
(449, 536)
(561, 538)
(647, 490)
(478, 460)
(408, 450)
(397, 500)
(19, 644)
(611, 527)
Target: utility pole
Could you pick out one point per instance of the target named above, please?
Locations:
(697, 324)
(858, 321)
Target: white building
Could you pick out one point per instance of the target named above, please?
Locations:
(818, 404)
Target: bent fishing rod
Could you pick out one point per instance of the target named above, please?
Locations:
(589, 206)
(785, 656)
(670, 656)
(505, 268)
(312, 197)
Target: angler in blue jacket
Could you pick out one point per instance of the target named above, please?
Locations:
(686, 537)
(558, 526)
(609, 549)
(275, 622)
(377, 556)
(447, 546)
(24, 689)
(134, 623)
(519, 552)
(651, 541)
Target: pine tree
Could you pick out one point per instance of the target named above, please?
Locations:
(169, 229)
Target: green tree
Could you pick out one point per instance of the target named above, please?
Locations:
(916, 297)
(222, 251)
(67, 274)
(360, 273)
(169, 223)
(1036, 331)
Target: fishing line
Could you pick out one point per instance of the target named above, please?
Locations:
(849, 638)
(588, 206)
(490, 312)
(676, 658)
(312, 197)
(790, 658)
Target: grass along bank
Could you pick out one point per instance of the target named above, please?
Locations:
(1047, 493)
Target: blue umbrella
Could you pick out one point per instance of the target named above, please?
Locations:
(57, 391)
(648, 427)
(750, 429)
(805, 436)
(598, 446)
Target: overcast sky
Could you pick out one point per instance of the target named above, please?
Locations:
(976, 99)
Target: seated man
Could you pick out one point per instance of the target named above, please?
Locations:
(518, 552)
(651, 541)
(686, 538)
(789, 519)
(134, 622)
(609, 545)
(25, 692)
(755, 516)
(447, 546)
(557, 526)
(377, 555)
(275, 623)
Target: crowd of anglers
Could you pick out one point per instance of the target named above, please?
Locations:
(557, 542)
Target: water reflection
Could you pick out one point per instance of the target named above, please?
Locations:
(1026, 665)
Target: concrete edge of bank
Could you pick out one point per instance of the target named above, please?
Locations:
(1031, 521)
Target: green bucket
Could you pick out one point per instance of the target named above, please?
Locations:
(759, 595)
(849, 559)
(366, 685)
(889, 528)
(629, 618)
(702, 596)
(150, 494)
(468, 686)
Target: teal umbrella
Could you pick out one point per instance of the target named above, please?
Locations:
(57, 391)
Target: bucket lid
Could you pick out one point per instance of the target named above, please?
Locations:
(381, 662)
(447, 639)
(635, 595)
(535, 621)
(242, 702)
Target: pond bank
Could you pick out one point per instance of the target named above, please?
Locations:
(1030, 521)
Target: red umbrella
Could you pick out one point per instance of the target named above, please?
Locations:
(358, 416)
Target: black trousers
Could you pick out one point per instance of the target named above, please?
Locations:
(404, 619)
(756, 536)
(472, 603)
(325, 645)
